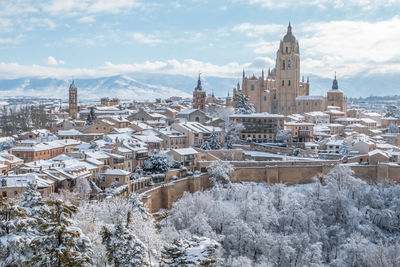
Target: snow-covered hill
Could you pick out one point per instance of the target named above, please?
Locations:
(137, 86)
(148, 86)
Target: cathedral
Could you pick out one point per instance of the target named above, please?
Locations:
(281, 91)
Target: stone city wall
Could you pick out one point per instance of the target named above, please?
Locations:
(163, 196)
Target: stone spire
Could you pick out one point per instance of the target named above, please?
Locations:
(289, 28)
(335, 85)
(262, 74)
(198, 87)
(243, 74)
(238, 86)
(72, 85)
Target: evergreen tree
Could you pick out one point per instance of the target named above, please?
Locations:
(242, 105)
(33, 204)
(91, 116)
(14, 238)
(59, 243)
(232, 130)
(123, 248)
(393, 128)
(213, 141)
(205, 146)
(159, 163)
(344, 149)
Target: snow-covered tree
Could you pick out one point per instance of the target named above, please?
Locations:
(205, 146)
(393, 128)
(344, 149)
(342, 221)
(93, 216)
(392, 111)
(83, 187)
(91, 116)
(213, 141)
(220, 171)
(123, 248)
(197, 251)
(232, 130)
(159, 163)
(282, 135)
(58, 243)
(242, 104)
(14, 235)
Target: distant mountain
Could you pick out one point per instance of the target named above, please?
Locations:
(136, 86)
(148, 86)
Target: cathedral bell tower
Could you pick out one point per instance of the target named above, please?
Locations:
(288, 73)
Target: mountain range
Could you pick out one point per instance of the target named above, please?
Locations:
(148, 86)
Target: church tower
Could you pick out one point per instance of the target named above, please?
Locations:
(73, 101)
(199, 97)
(335, 97)
(288, 73)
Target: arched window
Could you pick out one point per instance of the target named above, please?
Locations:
(283, 64)
(289, 83)
(287, 49)
(252, 87)
(283, 82)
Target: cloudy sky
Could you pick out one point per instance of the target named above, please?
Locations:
(92, 38)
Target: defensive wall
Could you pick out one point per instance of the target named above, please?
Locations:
(163, 196)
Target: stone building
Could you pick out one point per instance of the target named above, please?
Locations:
(105, 101)
(73, 101)
(259, 127)
(199, 97)
(282, 91)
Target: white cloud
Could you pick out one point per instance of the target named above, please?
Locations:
(150, 39)
(263, 47)
(255, 31)
(86, 19)
(323, 4)
(79, 7)
(350, 47)
(188, 67)
(52, 61)
(12, 40)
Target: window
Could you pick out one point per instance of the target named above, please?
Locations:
(289, 83)
(289, 64)
(265, 98)
(116, 179)
(252, 87)
(4, 193)
(283, 64)
(283, 83)
(287, 49)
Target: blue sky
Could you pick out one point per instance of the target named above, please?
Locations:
(88, 38)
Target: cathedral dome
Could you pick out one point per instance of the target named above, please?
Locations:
(289, 37)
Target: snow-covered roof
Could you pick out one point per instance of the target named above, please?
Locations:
(115, 172)
(257, 115)
(185, 151)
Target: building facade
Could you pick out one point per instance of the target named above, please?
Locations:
(282, 91)
(259, 127)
